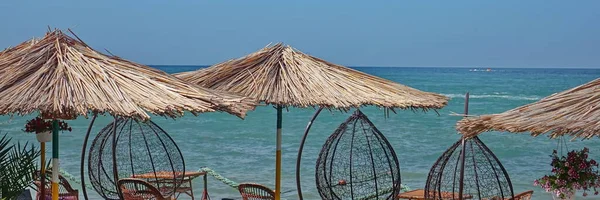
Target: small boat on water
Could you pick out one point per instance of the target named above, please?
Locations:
(481, 70)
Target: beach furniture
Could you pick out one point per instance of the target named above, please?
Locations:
(144, 151)
(65, 191)
(573, 112)
(138, 189)
(61, 77)
(468, 167)
(357, 162)
(185, 187)
(282, 76)
(419, 194)
(253, 191)
(523, 195)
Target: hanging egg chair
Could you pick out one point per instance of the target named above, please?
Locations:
(143, 150)
(357, 162)
(468, 170)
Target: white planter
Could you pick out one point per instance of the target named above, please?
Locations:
(44, 136)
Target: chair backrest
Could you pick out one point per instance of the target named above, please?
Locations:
(64, 188)
(523, 195)
(252, 191)
(138, 189)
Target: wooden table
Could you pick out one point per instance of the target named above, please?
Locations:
(420, 195)
(186, 184)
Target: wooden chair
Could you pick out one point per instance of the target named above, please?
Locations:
(138, 189)
(523, 195)
(252, 191)
(65, 191)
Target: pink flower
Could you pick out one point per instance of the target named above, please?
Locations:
(571, 172)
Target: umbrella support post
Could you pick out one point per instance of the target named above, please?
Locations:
(43, 170)
(114, 157)
(462, 155)
(81, 167)
(55, 161)
(299, 158)
(278, 155)
(462, 170)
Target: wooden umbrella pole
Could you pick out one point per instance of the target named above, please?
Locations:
(299, 158)
(462, 154)
(82, 164)
(278, 155)
(114, 157)
(462, 170)
(43, 171)
(467, 104)
(55, 162)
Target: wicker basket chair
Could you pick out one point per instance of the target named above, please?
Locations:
(253, 191)
(143, 150)
(65, 191)
(471, 171)
(138, 189)
(357, 162)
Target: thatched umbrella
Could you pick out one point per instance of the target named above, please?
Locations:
(283, 76)
(574, 112)
(62, 77)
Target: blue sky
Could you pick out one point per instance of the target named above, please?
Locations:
(507, 33)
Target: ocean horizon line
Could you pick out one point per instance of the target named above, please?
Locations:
(364, 66)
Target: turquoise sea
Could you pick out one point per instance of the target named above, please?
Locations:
(244, 150)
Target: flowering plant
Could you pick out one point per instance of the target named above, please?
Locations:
(574, 172)
(39, 125)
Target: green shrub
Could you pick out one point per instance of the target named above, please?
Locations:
(17, 166)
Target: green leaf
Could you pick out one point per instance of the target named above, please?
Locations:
(17, 166)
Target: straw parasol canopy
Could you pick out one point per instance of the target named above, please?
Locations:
(281, 75)
(573, 112)
(62, 77)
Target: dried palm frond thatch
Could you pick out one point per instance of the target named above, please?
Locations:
(281, 75)
(62, 77)
(574, 112)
